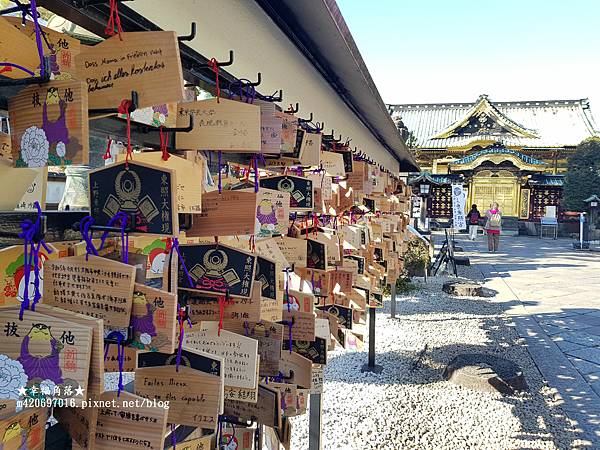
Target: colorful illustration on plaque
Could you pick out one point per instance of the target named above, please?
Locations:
(229, 442)
(14, 287)
(157, 253)
(217, 269)
(13, 377)
(49, 125)
(156, 116)
(40, 353)
(23, 431)
(265, 214)
(139, 189)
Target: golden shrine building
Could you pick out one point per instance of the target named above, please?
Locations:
(514, 153)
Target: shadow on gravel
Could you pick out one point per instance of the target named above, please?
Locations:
(533, 409)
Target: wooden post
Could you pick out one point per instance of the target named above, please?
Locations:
(315, 423)
(371, 366)
(393, 300)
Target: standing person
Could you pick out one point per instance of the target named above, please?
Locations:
(493, 225)
(473, 217)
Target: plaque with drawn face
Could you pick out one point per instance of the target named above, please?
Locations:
(217, 269)
(139, 190)
(299, 188)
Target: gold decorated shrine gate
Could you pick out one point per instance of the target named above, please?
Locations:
(502, 189)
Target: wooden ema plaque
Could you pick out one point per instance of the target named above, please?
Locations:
(79, 423)
(49, 125)
(315, 350)
(96, 376)
(271, 125)
(45, 351)
(153, 319)
(98, 287)
(267, 272)
(343, 314)
(303, 324)
(332, 242)
(223, 125)
(228, 213)
(340, 280)
(62, 51)
(272, 213)
(299, 188)
(310, 149)
(130, 422)
(25, 430)
(266, 410)
(269, 336)
(300, 301)
(294, 250)
(296, 368)
(146, 191)
(217, 269)
(189, 191)
(146, 62)
(195, 396)
(289, 128)
(333, 164)
(16, 48)
(12, 273)
(5, 147)
(316, 255)
(316, 385)
(240, 353)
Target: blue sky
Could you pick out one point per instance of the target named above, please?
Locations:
(427, 51)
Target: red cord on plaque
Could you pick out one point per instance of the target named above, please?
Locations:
(124, 108)
(164, 143)
(107, 154)
(223, 302)
(113, 19)
(214, 66)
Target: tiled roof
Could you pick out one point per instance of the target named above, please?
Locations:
(547, 180)
(499, 150)
(553, 123)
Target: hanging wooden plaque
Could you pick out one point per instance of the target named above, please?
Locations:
(195, 398)
(139, 189)
(223, 125)
(197, 360)
(79, 423)
(12, 274)
(5, 147)
(189, 189)
(128, 356)
(60, 48)
(269, 336)
(296, 368)
(147, 62)
(299, 188)
(316, 385)
(310, 149)
(315, 350)
(299, 301)
(16, 48)
(269, 249)
(266, 276)
(154, 319)
(333, 164)
(270, 127)
(294, 250)
(316, 255)
(204, 308)
(239, 353)
(98, 287)
(343, 314)
(266, 410)
(217, 269)
(303, 324)
(96, 376)
(228, 213)
(289, 124)
(46, 352)
(25, 430)
(49, 125)
(272, 213)
(36, 192)
(130, 422)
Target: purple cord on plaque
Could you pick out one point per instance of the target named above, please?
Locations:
(220, 158)
(38, 37)
(173, 437)
(120, 355)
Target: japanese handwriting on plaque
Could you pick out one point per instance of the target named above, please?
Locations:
(240, 353)
(32, 350)
(266, 275)
(136, 189)
(217, 269)
(49, 125)
(299, 188)
(148, 62)
(98, 287)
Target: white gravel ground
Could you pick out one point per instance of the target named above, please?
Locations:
(410, 405)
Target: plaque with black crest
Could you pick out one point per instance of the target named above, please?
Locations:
(341, 313)
(315, 350)
(316, 255)
(299, 188)
(217, 269)
(139, 190)
(266, 275)
(194, 359)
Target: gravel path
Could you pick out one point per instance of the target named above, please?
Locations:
(410, 405)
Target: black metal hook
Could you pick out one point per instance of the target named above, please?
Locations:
(258, 81)
(133, 107)
(220, 63)
(310, 119)
(145, 129)
(271, 98)
(291, 110)
(188, 37)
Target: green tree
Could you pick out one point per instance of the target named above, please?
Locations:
(583, 175)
